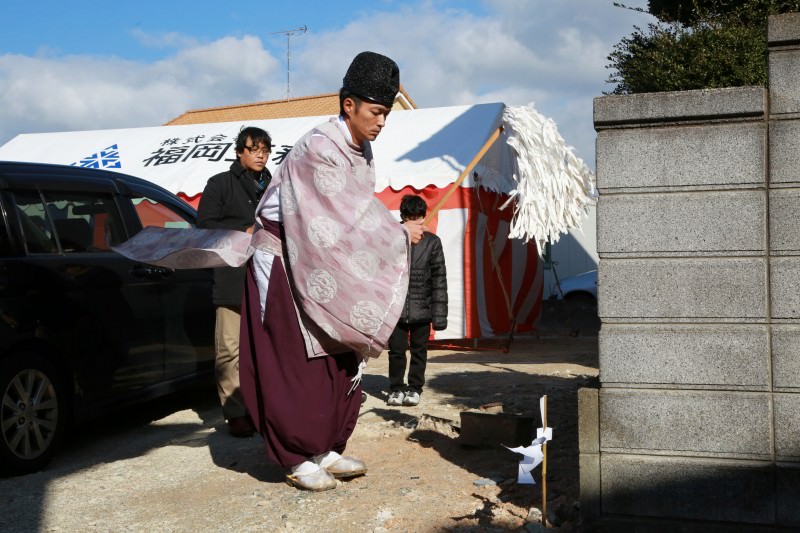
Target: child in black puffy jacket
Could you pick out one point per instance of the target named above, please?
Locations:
(426, 305)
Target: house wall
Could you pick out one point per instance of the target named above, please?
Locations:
(697, 418)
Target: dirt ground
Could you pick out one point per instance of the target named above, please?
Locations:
(172, 467)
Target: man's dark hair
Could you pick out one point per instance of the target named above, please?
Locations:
(412, 206)
(344, 93)
(257, 136)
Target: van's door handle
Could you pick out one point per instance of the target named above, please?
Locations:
(150, 271)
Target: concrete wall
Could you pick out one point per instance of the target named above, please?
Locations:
(698, 413)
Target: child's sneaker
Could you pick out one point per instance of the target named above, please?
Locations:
(411, 398)
(396, 398)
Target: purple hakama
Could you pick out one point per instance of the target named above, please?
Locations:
(300, 405)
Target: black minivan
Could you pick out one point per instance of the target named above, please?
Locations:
(83, 330)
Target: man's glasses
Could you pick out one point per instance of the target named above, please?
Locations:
(258, 151)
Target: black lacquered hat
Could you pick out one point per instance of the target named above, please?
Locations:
(373, 77)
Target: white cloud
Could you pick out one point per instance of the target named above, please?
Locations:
(227, 71)
(550, 53)
(81, 92)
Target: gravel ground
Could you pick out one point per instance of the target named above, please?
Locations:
(171, 466)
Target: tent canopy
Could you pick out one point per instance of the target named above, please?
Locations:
(417, 148)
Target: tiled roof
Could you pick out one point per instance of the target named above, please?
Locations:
(306, 106)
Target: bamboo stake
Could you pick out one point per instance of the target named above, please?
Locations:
(464, 174)
(544, 462)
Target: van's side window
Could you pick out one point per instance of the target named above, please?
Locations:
(154, 213)
(37, 232)
(69, 222)
(85, 222)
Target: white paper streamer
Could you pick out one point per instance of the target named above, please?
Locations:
(554, 186)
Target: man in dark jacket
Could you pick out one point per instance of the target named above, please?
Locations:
(426, 304)
(229, 202)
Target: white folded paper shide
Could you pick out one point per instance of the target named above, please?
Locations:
(532, 455)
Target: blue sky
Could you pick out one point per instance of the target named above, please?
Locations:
(93, 65)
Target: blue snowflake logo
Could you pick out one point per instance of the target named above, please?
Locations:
(106, 158)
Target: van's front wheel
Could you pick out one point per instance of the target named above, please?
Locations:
(32, 413)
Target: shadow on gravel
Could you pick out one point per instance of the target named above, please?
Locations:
(469, 380)
(129, 433)
(377, 386)
(244, 455)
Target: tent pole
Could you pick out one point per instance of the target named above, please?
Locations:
(464, 174)
(512, 320)
(496, 266)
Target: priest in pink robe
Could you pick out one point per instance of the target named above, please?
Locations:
(325, 285)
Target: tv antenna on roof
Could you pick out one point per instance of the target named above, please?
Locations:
(288, 33)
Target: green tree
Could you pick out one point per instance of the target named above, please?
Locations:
(696, 44)
(687, 11)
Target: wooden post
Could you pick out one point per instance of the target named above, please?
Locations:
(544, 462)
(456, 184)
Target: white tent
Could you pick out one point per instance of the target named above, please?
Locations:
(495, 282)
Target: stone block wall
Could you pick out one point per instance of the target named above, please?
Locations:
(698, 412)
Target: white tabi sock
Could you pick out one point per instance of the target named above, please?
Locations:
(326, 459)
(304, 468)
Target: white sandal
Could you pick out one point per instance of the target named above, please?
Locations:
(341, 467)
(310, 476)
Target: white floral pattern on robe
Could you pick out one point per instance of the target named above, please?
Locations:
(348, 259)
